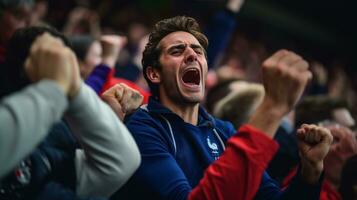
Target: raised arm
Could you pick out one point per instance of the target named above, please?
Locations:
(27, 115)
(112, 45)
(20, 114)
(285, 76)
(110, 155)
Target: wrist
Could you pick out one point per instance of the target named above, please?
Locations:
(267, 118)
(109, 61)
(272, 109)
(311, 172)
(63, 85)
(74, 90)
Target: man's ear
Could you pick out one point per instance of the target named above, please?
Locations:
(153, 74)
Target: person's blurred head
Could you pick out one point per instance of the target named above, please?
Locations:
(88, 51)
(343, 147)
(17, 52)
(234, 100)
(14, 14)
(186, 27)
(314, 109)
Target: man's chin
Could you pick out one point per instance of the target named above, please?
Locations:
(193, 99)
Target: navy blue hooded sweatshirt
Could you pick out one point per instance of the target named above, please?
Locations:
(175, 155)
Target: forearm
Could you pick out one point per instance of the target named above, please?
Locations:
(110, 155)
(311, 172)
(300, 189)
(267, 118)
(26, 118)
(238, 172)
(219, 32)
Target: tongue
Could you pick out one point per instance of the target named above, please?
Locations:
(191, 77)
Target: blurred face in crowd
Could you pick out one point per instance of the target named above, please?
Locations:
(13, 19)
(92, 59)
(343, 147)
(343, 117)
(183, 68)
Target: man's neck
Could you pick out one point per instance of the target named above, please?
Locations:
(188, 112)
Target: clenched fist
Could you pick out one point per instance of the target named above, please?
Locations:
(112, 45)
(50, 59)
(122, 99)
(314, 143)
(285, 76)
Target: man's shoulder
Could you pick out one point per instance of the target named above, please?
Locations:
(141, 113)
(142, 117)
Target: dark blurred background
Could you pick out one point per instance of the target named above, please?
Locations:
(322, 29)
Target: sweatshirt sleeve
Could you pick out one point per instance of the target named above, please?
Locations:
(219, 31)
(26, 117)
(110, 155)
(237, 174)
(99, 77)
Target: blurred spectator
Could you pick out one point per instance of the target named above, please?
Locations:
(242, 60)
(220, 29)
(340, 85)
(14, 14)
(59, 168)
(82, 21)
(234, 101)
(129, 63)
(27, 114)
(97, 60)
(88, 51)
(314, 109)
(333, 114)
(319, 83)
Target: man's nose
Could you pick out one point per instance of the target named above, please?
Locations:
(191, 55)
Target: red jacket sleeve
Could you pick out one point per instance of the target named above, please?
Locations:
(238, 172)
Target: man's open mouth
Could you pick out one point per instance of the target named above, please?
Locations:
(191, 76)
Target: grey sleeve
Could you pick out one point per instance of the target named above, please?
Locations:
(110, 155)
(25, 119)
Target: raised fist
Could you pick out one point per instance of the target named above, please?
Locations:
(122, 99)
(50, 59)
(112, 45)
(314, 143)
(285, 76)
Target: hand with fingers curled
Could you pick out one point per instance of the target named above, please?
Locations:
(122, 99)
(285, 76)
(112, 45)
(50, 59)
(314, 143)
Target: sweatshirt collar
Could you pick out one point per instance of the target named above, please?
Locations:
(156, 107)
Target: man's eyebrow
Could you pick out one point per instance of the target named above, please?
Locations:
(196, 46)
(183, 45)
(176, 46)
